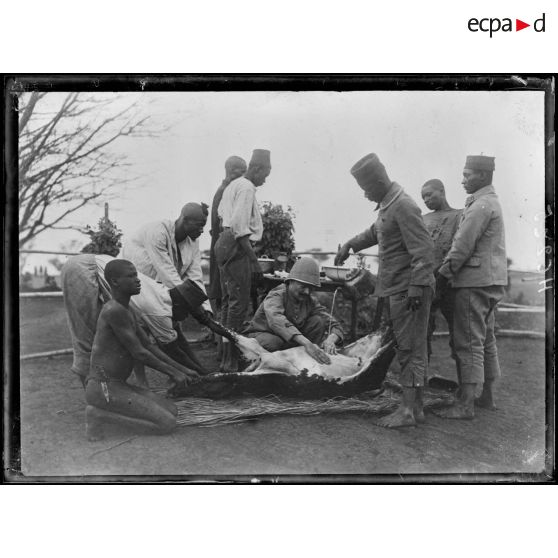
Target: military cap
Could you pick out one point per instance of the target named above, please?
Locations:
(480, 162)
(368, 168)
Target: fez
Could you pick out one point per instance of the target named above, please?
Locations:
(191, 293)
(480, 163)
(369, 168)
(260, 158)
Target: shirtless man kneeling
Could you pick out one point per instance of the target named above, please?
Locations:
(119, 342)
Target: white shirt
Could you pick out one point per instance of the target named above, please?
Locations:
(152, 306)
(154, 252)
(239, 210)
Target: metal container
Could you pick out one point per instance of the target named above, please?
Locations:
(267, 265)
(336, 273)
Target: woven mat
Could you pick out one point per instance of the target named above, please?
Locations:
(210, 412)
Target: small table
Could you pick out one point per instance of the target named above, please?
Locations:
(327, 285)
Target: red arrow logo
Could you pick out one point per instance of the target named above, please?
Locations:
(519, 25)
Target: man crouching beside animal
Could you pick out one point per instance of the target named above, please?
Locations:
(290, 316)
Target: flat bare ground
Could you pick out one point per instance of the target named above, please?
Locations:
(510, 440)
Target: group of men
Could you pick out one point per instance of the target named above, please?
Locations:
(457, 260)
(126, 311)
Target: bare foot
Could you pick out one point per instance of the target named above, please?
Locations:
(457, 411)
(486, 402)
(93, 425)
(229, 368)
(418, 407)
(402, 417)
(419, 415)
(393, 385)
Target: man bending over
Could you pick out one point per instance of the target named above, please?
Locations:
(118, 344)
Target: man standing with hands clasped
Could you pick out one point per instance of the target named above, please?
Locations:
(405, 278)
(476, 269)
(441, 223)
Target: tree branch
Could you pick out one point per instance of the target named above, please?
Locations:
(66, 159)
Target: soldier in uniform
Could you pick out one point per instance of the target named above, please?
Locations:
(405, 278)
(290, 316)
(475, 267)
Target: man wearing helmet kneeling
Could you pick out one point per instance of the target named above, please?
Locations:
(290, 316)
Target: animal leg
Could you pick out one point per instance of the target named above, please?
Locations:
(253, 365)
(274, 361)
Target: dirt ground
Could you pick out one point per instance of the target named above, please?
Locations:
(510, 440)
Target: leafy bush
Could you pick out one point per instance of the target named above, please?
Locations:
(106, 240)
(278, 225)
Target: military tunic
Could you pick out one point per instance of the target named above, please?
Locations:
(476, 267)
(405, 259)
(280, 318)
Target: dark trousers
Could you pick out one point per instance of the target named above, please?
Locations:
(214, 289)
(446, 305)
(314, 329)
(236, 278)
(410, 329)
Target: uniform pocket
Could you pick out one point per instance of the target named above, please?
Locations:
(398, 298)
(473, 261)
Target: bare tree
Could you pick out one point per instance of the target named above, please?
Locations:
(66, 155)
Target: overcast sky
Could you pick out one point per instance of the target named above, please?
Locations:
(315, 137)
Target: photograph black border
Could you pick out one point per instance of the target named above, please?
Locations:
(15, 84)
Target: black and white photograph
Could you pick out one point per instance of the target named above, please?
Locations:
(281, 278)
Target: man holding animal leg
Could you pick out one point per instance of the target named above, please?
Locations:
(156, 308)
(168, 251)
(117, 345)
(237, 261)
(290, 316)
(476, 268)
(441, 223)
(405, 278)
